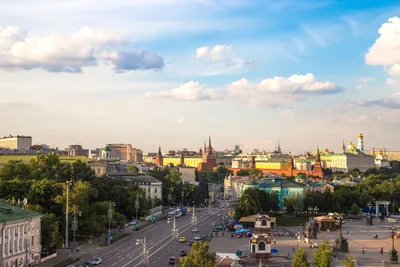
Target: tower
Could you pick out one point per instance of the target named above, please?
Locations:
(317, 170)
(253, 162)
(360, 142)
(343, 148)
(159, 158)
(182, 160)
(279, 150)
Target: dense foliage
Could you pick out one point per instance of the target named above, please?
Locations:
(199, 256)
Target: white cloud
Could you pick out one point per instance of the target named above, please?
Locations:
(315, 36)
(361, 86)
(181, 120)
(287, 113)
(366, 80)
(221, 54)
(70, 53)
(190, 91)
(271, 91)
(386, 49)
(136, 60)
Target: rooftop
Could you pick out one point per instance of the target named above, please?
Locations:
(10, 213)
(15, 136)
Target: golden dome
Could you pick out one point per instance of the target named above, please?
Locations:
(360, 135)
(380, 152)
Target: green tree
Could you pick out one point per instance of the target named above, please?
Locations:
(243, 172)
(355, 209)
(50, 232)
(199, 256)
(300, 258)
(349, 262)
(133, 168)
(322, 255)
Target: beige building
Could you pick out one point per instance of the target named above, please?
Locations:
(77, 150)
(392, 155)
(150, 185)
(18, 142)
(20, 232)
(99, 169)
(188, 174)
(126, 153)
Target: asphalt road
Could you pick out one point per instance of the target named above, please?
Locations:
(160, 242)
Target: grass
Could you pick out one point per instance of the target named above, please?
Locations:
(64, 263)
(26, 158)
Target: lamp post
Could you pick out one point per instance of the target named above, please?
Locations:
(341, 244)
(75, 228)
(393, 253)
(169, 199)
(182, 193)
(174, 233)
(143, 243)
(369, 220)
(137, 207)
(110, 215)
(68, 183)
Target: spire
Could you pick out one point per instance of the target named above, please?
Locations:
(279, 148)
(159, 151)
(318, 156)
(205, 147)
(343, 146)
(209, 143)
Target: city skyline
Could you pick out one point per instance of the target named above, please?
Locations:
(253, 73)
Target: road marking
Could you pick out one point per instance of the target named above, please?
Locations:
(186, 229)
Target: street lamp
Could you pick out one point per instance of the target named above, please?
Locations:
(137, 205)
(393, 252)
(143, 242)
(169, 199)
(110, 215)
(174, 232)
(68, 183)
(369, 220)
(75, 228)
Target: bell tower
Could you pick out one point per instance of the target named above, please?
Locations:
(360, 142)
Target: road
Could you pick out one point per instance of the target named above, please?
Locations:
(160, 242)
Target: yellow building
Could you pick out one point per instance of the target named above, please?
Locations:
(271, 165)
(188, 161)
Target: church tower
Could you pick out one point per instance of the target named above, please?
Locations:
(317, 170)
(159, 158)
(343, 148)
(182, 160)
(360, 142)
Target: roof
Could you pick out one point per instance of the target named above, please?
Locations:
(106, 148)
(225, 255)
(275, 182)
(133, 177)
(10, 213)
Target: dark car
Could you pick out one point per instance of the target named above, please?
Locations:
(183, 253)
(86, 264)
(172, 261)
(191, 242)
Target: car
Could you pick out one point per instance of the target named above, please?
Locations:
(182, 239)
(172, 261)
(197, 238)
(195, 230)
(191, 242)
(70, 266)
(86, 264)
(183, 253)
(97, 261)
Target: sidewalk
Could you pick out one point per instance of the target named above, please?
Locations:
(97, 242)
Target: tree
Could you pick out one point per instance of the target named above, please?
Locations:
(349, 262)
(300, 258)
(243, 172)
(322, 255)
(199, 256)
(355, 209)
(50, 232)
(133, 168)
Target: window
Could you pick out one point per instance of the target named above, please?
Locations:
(155, 190)
(264, 222)
(253, 248)
(33, 240)
(261, 246)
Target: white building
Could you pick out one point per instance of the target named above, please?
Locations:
(188, 174)
(150, 185)
(20, 232)
(18, 142)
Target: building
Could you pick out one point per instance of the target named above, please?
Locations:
(206, 158)
(235, 186)
(150, 185)
(381, 159)
(228, 260)
(99, 168)
(279, 164)
(126, 153)
(392, 155)
(18, 142)
(260, 242)
(77, 150)
(188, 174)
(20, 236)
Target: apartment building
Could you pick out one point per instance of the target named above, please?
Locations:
(19, 142)
(20, 232)
(126, 153)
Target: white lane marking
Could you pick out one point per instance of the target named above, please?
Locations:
(186, 228)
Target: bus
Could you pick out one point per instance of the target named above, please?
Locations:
(175, 213)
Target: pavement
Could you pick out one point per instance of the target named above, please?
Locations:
(159, 241)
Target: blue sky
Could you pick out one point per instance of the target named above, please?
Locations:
(173, 72)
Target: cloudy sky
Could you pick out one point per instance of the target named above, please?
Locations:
(173, 72)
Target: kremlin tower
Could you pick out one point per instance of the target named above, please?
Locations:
(360, 142)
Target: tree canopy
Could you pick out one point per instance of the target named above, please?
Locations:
(199, 256)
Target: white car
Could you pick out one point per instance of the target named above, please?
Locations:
(197, 238)
(97, 261)
(195, 230)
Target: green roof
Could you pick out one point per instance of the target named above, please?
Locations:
(301, 177)
(9, 213)
(106, 149)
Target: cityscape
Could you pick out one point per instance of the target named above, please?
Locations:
(199, 133)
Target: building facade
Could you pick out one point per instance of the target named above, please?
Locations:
(19, 142)
(126, 153)
(20, 236)
(77, 150)
(150, 185)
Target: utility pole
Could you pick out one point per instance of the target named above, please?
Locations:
(26, 242)
(143, 242)
(209, 206)
(183, 193)
(110, 215)
(137, 207)
(75, 228)
(169, 199)
(66, 214)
